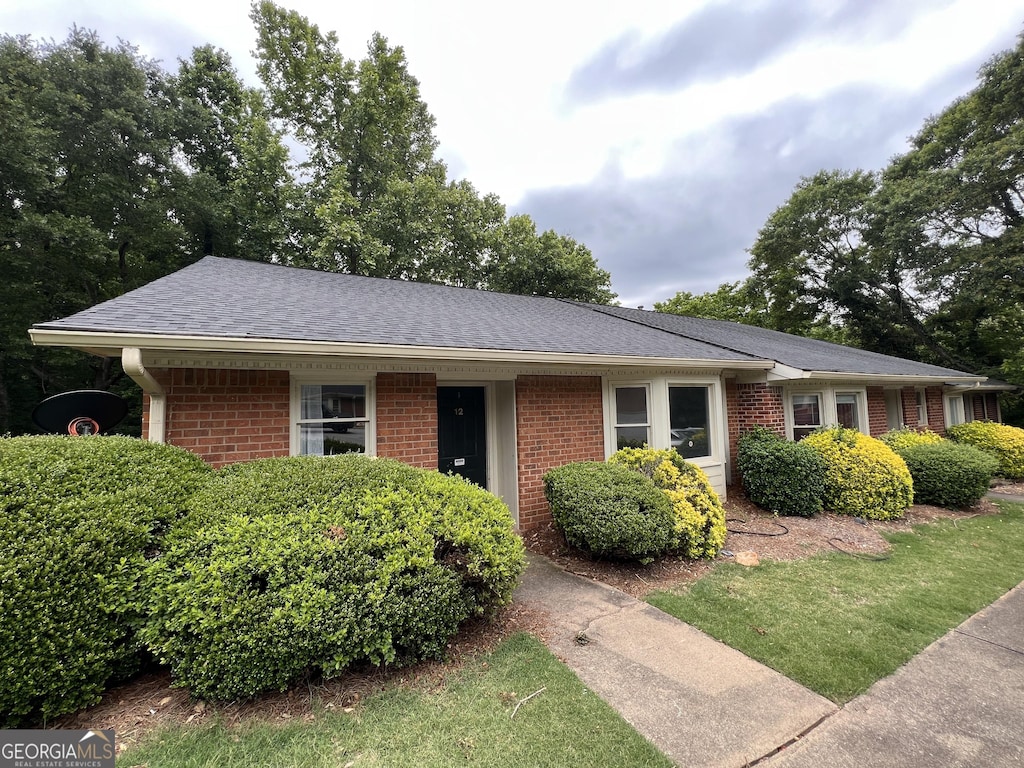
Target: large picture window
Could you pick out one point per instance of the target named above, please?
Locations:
(632, 418)
(689, 421)
(332, 419)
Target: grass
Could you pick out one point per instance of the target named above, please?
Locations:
(835, 623)
(468, 722)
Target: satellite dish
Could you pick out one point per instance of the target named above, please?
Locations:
(84, 412)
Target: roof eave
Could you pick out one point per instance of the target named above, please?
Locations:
(781, 373)
(108, 344)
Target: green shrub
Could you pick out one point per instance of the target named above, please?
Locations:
(780, 476)
(307, 565)
(905, 437)
(863, 476)
(78, 518)
(699, 529)
(610, 511)
(1006, 443)
(949, 474)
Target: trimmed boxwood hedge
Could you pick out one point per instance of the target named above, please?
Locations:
(78, 518)
(287, 567)
(949, 474)
(610, 510)
(781, 476)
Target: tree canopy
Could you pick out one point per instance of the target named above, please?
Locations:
(116, 171)
(922, 259)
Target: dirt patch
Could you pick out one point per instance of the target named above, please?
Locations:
(1008, 487)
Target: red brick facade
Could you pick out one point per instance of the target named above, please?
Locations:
(936, 410)
(748, 406)
(559, 419)
(407, 418)
(878, 418)
(226, 416)
(908, 398)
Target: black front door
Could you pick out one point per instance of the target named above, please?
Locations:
(462, 433)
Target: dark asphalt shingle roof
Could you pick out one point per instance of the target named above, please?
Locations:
(218, 297)
(232, 298)
(794, 351)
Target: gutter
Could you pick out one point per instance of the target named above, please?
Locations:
(131, 361)
(111, 342)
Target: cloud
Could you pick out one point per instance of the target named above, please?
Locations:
(730, 38)
(689, 226)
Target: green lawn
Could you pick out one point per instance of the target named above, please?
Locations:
(836, 623)
(469, 722)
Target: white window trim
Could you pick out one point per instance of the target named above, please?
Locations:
(921, 404)
(338, 378)
(948, 410)
(827, 402)
(659, 427)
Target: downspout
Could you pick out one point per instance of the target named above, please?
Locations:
(131, 361)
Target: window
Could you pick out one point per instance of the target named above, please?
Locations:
(847, 410)
(632, 421)
(689, 422)
(922, 407)
(955, 410)
(332, 419)
(806, 415)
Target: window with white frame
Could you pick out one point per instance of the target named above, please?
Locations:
(689, 420)
(632, 417)
(332, 419)
(806, 414)
(922, 407)
(848, 410)
(955, 413)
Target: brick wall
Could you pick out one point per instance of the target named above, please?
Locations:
(908, 399)
(225, 416)
(559, 419)
(407, 418)
(878, 418)
(936, 410)
(750, 405)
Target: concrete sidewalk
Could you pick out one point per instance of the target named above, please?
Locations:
(960, 702)
(699, 701)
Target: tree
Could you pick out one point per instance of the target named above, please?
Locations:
(735, 302)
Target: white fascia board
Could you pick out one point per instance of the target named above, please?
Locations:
(780, 373)
(115, 342)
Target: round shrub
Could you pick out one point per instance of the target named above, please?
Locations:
(699, 529)
(949, 474)
(286, 567)
(780, 476)
(863, 476)
(610, 511)
(78, 518)
(905, 437)
(1006, 443)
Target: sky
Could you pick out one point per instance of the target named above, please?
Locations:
(659, 133)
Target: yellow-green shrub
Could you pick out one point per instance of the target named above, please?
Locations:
(864, 477)
(699, 515)
(1006, 443)
(905, 437)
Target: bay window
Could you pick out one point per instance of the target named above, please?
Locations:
(689, 420)
(632, 418)
(806, 415)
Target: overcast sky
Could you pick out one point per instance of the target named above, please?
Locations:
(659, 133)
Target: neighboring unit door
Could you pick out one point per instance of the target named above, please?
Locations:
(462, 433)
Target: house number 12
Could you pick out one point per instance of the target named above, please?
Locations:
(458, 412)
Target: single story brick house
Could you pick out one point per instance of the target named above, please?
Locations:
(240, 360)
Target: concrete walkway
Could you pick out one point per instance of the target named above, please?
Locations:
(699, 701)
(959, 702)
